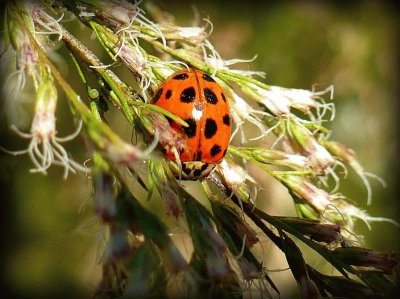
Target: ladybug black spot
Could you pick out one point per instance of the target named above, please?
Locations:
(210, 96)
(188, 95)
(168, 94)
(211, 128)
(223, 96)
(186, 170)
(191, 130)
(226, 119)
(180, 77)
(157, 96)
(197, 172)
(204, 166)
(198, 156)
(215, 150)
(208, 78)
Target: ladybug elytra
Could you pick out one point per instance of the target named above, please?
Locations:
(199, 100)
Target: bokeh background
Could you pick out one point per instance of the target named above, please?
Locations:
(47, 233)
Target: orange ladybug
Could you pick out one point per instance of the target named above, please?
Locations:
(199, 100)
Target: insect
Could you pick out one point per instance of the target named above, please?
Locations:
(199, 100)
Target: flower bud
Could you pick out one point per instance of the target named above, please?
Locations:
(118, 13)
(320, 159)
(274, 101)
(314, 229)
(44, 121)
(357, 256)
(316, 197)
(26, 57)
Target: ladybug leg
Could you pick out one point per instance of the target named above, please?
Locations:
(178, 162)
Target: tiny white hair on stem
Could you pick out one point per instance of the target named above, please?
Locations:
(330, 89)
(220, 64)
(253, 196)
(354, 212)
(208, 21)
(322, 108)
(267, 131)
(178, 161)
(118, 53)
(238, 60)
(335, 176)
(127, 28)
(169, 65)
(103, 66)
(213, 55)
(255, 120)
(91, 226)
(341, 164)
(351, 242)
(364, 178)
(73, 135)
(132, 54)
(152, 145)
(12, 90)
(281, 100)
(248, 286)
(349, 212)
(196, 15)
(376, 177)
(225, 65)
(248, 73)
(141, 19)
(144, 84)
(325, 211)
(174, 62)
(240, 255)
(45, 151)
(331, 172)
(241, 112)
(278, 139)
(52, 27)
(355, 165)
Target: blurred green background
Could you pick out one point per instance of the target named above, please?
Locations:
(48, 240)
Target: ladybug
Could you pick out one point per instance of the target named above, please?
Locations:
(199, 100)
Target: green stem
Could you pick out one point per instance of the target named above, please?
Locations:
(201, 65)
